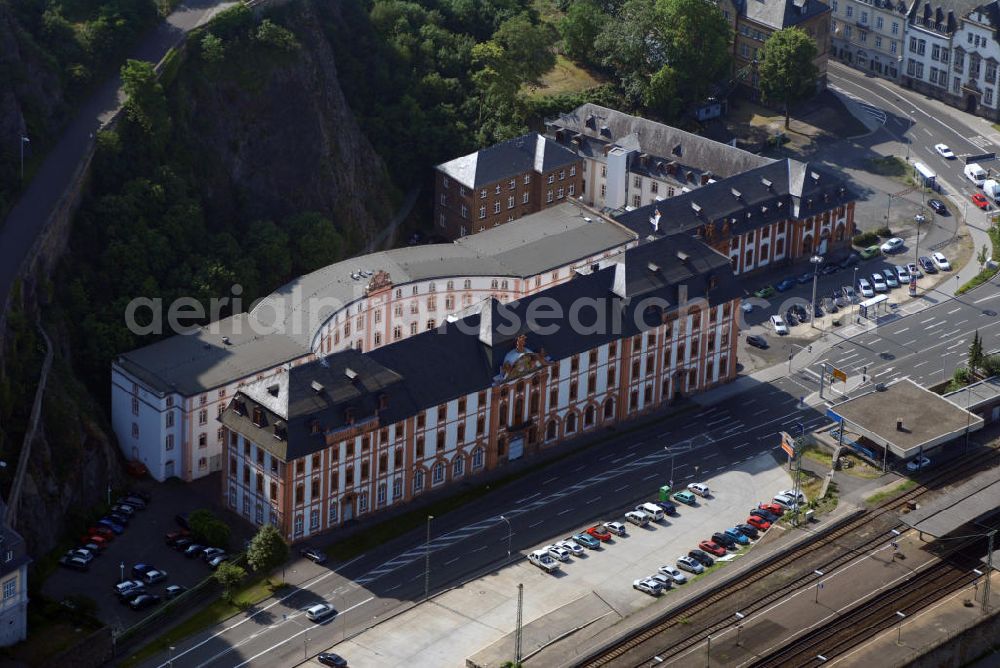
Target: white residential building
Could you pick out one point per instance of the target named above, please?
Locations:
(869, 34)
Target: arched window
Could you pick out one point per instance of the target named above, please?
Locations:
(438, 473)
(477, 459)
(458, 468)
(451, 285)
(550, 430)
(588, 416)
(609, 408)
(571, 423)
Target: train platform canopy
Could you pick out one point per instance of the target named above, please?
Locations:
(905, 418)
(974, 499)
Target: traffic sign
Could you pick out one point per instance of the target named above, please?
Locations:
(788, 443)
(838, 374)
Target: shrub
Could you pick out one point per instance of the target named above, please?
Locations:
(865, 239)
(208, 529)
(884, 232)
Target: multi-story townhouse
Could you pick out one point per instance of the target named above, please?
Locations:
(166, 397)
(756, 20)
(356, 433)
(776, 213)
(932, 64)
(14, 562)
(869, 34)
(502, 183)
(630, 161)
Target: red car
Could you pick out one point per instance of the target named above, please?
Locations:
(772, 508)
(758, 523)
(980, 200)
(99, 541)
(712, 547)
(600, 533)
(104, 532)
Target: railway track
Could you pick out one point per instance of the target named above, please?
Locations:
(638, 647)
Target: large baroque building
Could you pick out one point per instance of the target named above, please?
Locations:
(502, 183)
(870, 34)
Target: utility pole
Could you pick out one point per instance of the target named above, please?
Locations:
(427, 559)
(989, 571)
(816, 260)
(509, 534)
(24, 140)
(517, 633)
(797, 461)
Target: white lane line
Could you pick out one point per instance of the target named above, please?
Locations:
(761, 412)
(715, 422)
(579, 468)
(917, 366)
(952, 333)
(290, 638)
(955, 310)
(449, 563)
(546, 482)
(478, 549)
(910, 342)
(905, 329)
(927, 320)
(986, 298)
(622, 488)
(650, 477)
(957, 345)
(529, 497)
(741, 445)
(532, 526)
(592, 500)
(563, 512)
(960, 322)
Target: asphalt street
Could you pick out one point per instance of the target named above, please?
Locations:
(55, 175)
(604, 481)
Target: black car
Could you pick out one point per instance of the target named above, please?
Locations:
(800, 312)
(791, 317)
(818, 310)
(829, 269)
(701, 557)
(193, 550)
(143, 601)
(748, 531)
(331, 659)
(313, 554)
(850, 261)
(182, 544)
(938, 206)
(764, 515)
(927, 265)
(757, 341)
(174, 590)
(668, 508)
(805, 278)
(132, 594)
(724, 540)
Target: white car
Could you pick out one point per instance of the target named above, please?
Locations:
(690, 565)
(902, 274)
(543, 560)
(637, 517)
(85, 555)
(154, 576)
(892, 246)
(786, 502)
(849, 294)
(941, 261)
(790, 493)
(878, 280)
(699, 488)
(574, 549)
(648, 586)
(617, 528)
(673, 574)
(865, 288)
(944, 151)
(779, 325)
(317, 613)
(918, 463)
(559, 552)
(914, 270)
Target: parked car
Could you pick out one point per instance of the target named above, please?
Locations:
(124, 587)
(830, 305)
(116, 528)
(938, 206)
(617, 528)
(690, 565)
(725, 541)
(173, 591)
(586, 540)
(92, 547)
(172, 537)
(944, 151)
(637, 517)
(865, 288)
(154, 576)
(648, 586)
(764, 515)
(980, 200)
(787, 502)
(772, 508)
(317, 613)
(940, 261)
(600, 533)
(878, 282)
(143, 495)
(123, 509)
(793, 494)
(83, 553)
(791, 317)
(779, 325)
(902, 274)
(99, 541)
(784, 284)
(699, 488)
(143, 601)
(870, 252)
(918, 463)
(737, 535)
(668, 508)
(182, 544)
(757, 341)
(544, 561)
(748, 531)
(558, 552)
(758, 523)
(313, 554)
(764, 292)
(890, 278)
(702, 557)
(893, 245)
(849, 294)
(914, 270)
(214, 562)
(802, 279)
(140, 570)
(927, 265)
(120, 519)
(193, 550)
(829, 268)
(673, 574)
(574, 548)
(712, 548)
(687, 498)
(331, 659)
(209, 552)
(74, 563)
(850, 261)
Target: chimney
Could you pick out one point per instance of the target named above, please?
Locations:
(899, 424)
(619, 286)
(654, 220)
(591, 122)
(383, 401)
(486, 323)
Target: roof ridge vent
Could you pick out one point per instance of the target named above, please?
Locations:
(767, 183)
(682, 256)
(696, 207)
(736, 193)
(350, 373)
(317, 387)
(653, 267)
(814, 175)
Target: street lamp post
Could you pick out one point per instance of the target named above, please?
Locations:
(899, 629)
(427, 559)
(171, 661)
(24, 140)
(739, 626)
(672, 455)
(819, 585)
(509, 534)
(816, 260)
(121, 569)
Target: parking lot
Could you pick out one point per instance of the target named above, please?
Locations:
(143, 542)
(594, 589)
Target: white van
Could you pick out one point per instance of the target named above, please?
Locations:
(637, 517)
(976, 174)
(651, 509)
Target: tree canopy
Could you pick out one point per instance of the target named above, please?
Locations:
(787, 69)
(580, 27)
(267, 550)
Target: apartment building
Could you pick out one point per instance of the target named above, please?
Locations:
(14, 562)
(355, 433)
(756, 20)
(502, 183)
(780, 212)
(870, 34)
(167, 397)
(629, 161)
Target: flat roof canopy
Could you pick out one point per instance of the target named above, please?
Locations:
(973, 499)
(928, 420)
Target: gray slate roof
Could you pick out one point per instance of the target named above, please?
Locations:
(282, 326)
(778, 14)
(530, 152)
(656, 139)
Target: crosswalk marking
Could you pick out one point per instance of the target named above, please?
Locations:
(980, 141)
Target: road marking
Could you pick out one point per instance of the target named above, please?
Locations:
(527, 498)
(563, 512)
(741, 445)
(532, 526)
(761, 412)
(928, 319)
(957, 345)
(546, 482)
(650, 477)
(478, 549)
(622, 488)
(579, 468)
(910, 342)
(608, 456)
(592, 500)
(449, 563)
(955, 310)
(917, 366)
(905, 329)
(715, 422)
(979, 301)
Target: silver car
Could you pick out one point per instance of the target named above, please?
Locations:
(690, 565)
(673, 574)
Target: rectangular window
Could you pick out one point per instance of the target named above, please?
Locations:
(895, 31)
(524, 198)
(135, 406)
(9, 589)
(496, 206)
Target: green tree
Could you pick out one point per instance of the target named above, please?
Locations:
(145, 103)
(626, 47)
(975, 353)
(229, 576)
(580, 27)
(695, 39)
(315, 242)
(787, 71)
(208, 529)
(271, 34)
(983, 256)
(267, 550)
(213, 50)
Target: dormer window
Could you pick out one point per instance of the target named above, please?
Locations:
(383, 402)
(349, 415)
(258, 417)
(280, 431)
(240, 407)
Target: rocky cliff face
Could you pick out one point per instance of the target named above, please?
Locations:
(278, 137)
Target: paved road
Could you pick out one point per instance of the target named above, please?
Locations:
(28, 217)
